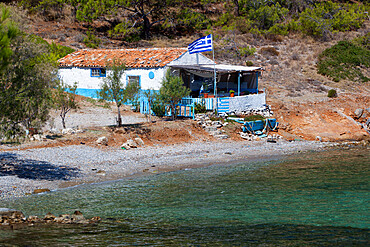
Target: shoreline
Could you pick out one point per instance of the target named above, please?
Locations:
(70, 166)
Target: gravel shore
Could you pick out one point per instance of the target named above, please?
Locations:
(59, 167)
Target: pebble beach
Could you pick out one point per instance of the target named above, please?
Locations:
(53, 168)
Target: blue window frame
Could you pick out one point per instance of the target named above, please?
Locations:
(133, 78)
(98, 72)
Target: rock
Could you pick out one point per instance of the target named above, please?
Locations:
(49, 217)
(214, 133)
(129, 144)
(101, 173)
(77, 217)
(139, 141)
(37, 191)
(210, 128)
(245, 136)
(221, 136)
(95, 219)
(102, 140)
(358, 113)
(318, 138)
(63, 219)
(368, 122)
(33, 219)
(37, 137)
(68, 131)
(54, 131)
(11, 216)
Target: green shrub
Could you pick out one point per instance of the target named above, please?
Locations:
(190, 20)
(266, 16)
(254, 118)
(91, 40)
(344, 61)
(327, 17)
(249, 63)
(332, 93)
(246, 51)
(158, 108)
(200, 107)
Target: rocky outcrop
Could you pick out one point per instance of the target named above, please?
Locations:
(137, 142)
(102, 140)
(10, 217)
(214, 128)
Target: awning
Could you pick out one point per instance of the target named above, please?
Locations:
(220, 68)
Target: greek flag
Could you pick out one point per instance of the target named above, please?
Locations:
(201, 45)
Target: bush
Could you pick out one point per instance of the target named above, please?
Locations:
(246, 51)
(249, 63)
(199, 107)
(91, 40)
(344, 61)
(158, 108)
(327, 17)
(254, 118)
(269, 51)
(332, 93)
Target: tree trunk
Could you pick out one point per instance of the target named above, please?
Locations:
(236, 7)
(63, 116)
(146, 28)
(119, 120)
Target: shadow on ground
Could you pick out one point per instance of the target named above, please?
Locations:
(13, 165)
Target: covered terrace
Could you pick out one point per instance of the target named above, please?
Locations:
(242, 79)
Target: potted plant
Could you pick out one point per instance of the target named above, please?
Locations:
(232, 93)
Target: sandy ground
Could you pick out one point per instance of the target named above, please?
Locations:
(65, 166)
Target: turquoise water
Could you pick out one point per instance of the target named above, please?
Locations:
(314, 199)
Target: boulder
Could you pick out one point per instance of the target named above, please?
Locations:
(63, 219)
(139, 141)
(358, 113)
(49, 217)
(102, 140)
(78, 218)
(68, 131)
(368, 122)
(210, 128)
(129, 144)
(33, 219)
(223, 136)
(10, 216)
(37, 191)
(95, 219)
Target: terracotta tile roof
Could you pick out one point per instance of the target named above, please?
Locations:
(134, 58)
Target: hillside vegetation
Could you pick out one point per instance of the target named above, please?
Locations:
(305, 47)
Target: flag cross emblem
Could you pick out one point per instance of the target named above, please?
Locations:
(201, 45)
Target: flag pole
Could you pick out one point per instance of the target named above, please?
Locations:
(215, 80)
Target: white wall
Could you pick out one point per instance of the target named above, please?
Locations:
(83, 78)
(247, 102)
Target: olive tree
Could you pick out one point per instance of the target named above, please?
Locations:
(113, 89)
(65, 100)
(172, 91)
(25, 81)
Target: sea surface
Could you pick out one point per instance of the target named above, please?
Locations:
(309, 199)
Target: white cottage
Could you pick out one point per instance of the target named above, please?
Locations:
(146, 65)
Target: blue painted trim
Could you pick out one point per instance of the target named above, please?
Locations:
(151, 75)
(134, 75)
